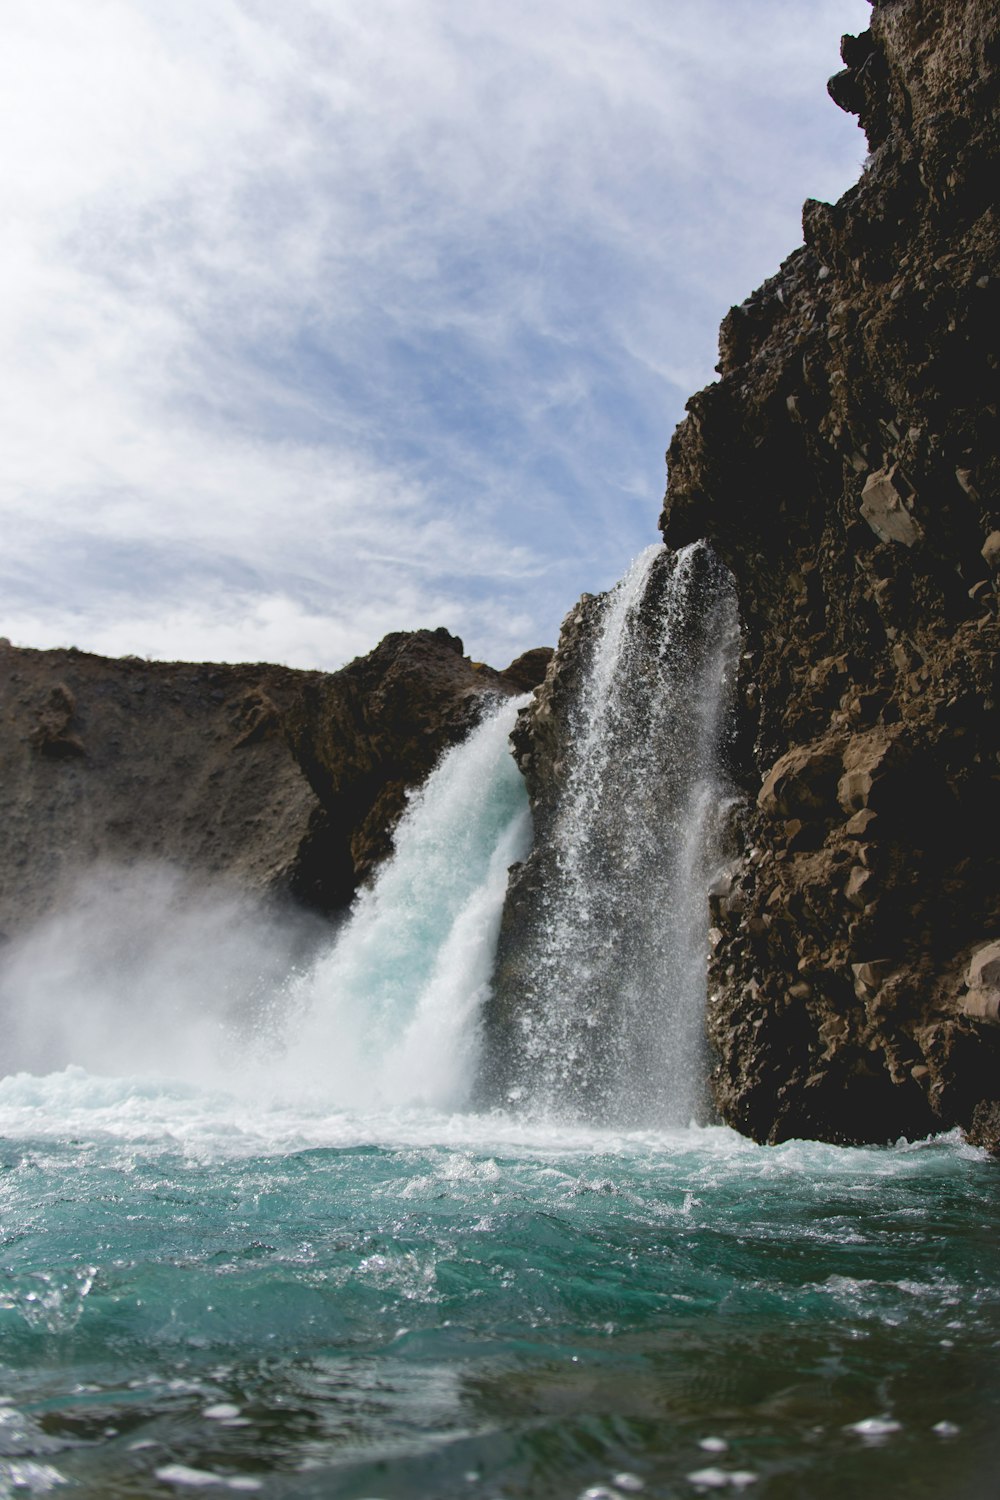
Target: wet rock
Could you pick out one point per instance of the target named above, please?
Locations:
(985, 1127)
(983, 979)
(859, 825)
(983, 1005)
(984, 969)
(870, 976)
(803, 781)
(866, 758)
(857, 890)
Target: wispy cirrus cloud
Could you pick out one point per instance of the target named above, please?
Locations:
(338, 318)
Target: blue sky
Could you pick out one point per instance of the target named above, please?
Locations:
(336, 317)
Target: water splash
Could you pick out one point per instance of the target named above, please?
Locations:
(609, 1022)
(49, 1300)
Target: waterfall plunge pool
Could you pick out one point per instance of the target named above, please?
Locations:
(275, 1250)
(200, 1295)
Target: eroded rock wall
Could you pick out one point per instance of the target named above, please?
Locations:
(276, 782)
(845, 468)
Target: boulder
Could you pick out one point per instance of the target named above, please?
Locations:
(802, 783)
(982, 1002)
(885, 505)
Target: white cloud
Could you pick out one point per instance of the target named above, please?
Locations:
(340, 317)
(244, 626)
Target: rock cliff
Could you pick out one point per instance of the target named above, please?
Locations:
(845, 467)
(276, 782)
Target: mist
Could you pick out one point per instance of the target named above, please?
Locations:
(146, 970)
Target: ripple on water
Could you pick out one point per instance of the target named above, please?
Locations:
(551, 1309)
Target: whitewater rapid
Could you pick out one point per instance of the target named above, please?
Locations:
(215, 1123)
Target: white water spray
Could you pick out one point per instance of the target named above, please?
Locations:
(144, 974)
(609, 1021)
(142, 970)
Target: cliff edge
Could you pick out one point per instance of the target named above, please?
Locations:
(279, 783)
(845, 468)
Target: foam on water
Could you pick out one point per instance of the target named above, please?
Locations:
(203, 1291)
(212, 1123)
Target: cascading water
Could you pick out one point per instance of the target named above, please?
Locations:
(213, 992)
(391, 1015)
(608, 1020)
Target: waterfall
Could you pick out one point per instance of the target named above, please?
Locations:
(605, 1018)
(594, 1010)
(391, 1015)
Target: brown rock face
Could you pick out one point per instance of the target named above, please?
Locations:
(845, 468)
(270, 780)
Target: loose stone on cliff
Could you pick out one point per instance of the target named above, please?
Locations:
(884, 506)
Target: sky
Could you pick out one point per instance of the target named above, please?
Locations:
(328, 318)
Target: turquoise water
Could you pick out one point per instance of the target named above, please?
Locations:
(310, 1271)
(199, 1294)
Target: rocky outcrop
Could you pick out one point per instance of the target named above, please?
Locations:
(277, 782)
(845, 468)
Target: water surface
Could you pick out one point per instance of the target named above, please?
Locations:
(201, 1293)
